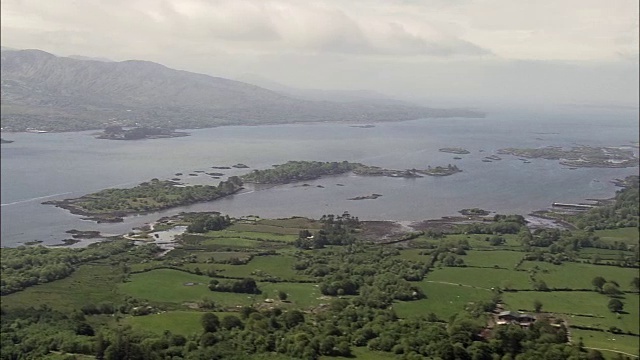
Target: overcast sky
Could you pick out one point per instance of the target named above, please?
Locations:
(457, 51)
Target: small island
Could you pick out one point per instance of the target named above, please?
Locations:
(455, 150)
(138, 133)
(240, 166)
(440, 170)
(474, 212)
(368, 126)
(368, 197)
(3, 141)
(580, 156)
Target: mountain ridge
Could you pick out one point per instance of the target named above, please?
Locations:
(44, 91)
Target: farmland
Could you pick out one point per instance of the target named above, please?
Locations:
(175, 288)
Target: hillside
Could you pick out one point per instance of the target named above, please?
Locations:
(44, 91)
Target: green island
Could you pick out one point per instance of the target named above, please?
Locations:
(294, 171)
(580, 156)
(111, 205)
(137, 133)
(455, 150)
(474, 212)
(334, 287)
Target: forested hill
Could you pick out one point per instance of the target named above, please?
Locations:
(47, 92)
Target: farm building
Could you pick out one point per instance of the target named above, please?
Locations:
(513, 317)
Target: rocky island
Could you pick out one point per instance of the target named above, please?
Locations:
(368, 197)
(3, 141)
(138, 133)
(580, 156)
(455, 150)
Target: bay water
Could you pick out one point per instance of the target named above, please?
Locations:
(50, 166)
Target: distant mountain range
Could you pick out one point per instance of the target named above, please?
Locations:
(46, 92)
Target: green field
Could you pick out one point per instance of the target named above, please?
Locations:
(89, 284)
(301, 295)
(260, 227)
(629, 235)
(442, 299)
(501, 258)
(481, 277)
(170, 287)
(579, 303)
(178, 322)
(413, 254)
(605, 340)
(579, 276)
(256, 235)
(231, 242)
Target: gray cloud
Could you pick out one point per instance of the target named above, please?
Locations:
(526, 51)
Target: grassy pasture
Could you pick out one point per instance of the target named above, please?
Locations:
(579, 276)
(605, 340)
(300, 295)
(231, 242)
(178, 322)
(606, 319)
(203, 256)
(168, 286)
(262, 235)
(413, 254)
(263, 228)
(629, 235)
(504, 259)
(477, 241)
(482, 278)
(579, 302)
(442, 299)
(88, 284)
(260, 266)
(605, 254)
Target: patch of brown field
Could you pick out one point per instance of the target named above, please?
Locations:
(378, 231)
(445, 224)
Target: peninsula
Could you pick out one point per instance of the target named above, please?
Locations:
(111, 205)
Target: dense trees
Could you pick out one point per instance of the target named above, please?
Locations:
(299, 171)
(336, 230)
(210, 322)
(622, 213)
(204, 223)
(24, 266)
(246, 286)
(501, 224)
(615, 305)
(598, 282)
